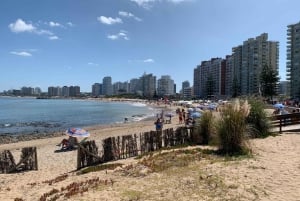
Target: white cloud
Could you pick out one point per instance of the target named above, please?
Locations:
(70, 24)
(148, 61)
(54, 24)
(23, 53)
(21, 26)
(144, 3)
(93, 64)
(53, 38)
(109, 20)
(143, 61)
(147, 4)
(129, 15)
(121, 35)
(43, 32)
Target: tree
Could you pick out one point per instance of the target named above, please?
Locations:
(269, 81)
(235, 88)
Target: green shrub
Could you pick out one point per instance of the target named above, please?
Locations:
(232, 128)
(258, 119)
(204, 127)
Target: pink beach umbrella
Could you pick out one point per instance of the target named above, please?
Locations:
(77, 132)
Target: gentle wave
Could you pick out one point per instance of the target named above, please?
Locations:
(28, 115)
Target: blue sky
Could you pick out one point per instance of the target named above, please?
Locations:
(78, 42)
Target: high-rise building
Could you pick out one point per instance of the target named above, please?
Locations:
(148, 82)
(96, 89)
(165, 86)
(120, 88)
(185, 84)
(135, 86)
(107, 86)
(249, 60)
(293, 59)
(229, 76)
(207, 78)
(74, 91)
(65, 91)
(284, 88)
(54, 91)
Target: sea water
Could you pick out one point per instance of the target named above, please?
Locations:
(30, 115)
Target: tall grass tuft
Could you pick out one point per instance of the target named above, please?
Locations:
(258, 119)
(204, 127)
(232, 128)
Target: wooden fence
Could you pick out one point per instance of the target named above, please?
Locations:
(122, 147)
(284, 120)
(28, 161)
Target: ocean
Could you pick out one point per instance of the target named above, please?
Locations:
(20, 116)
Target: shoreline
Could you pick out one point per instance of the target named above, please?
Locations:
(41, 130)
(7, 138)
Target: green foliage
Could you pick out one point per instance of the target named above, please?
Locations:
(232, 128)
(269, 81)
(258, 119)
(204, 127)
(235, 87)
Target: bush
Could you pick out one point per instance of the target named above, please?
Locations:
(204, 127)
(232, 128)
(258, 119)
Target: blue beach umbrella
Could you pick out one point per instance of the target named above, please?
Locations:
(77, 132)
(195, 115)
(278, 105)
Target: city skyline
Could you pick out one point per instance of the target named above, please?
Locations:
(61, 43)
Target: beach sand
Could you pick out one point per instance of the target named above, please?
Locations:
(273, 173)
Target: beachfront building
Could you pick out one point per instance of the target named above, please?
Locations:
(135, 86)
(148, 85)
(165, 86)
(96, 89)
(187, 93)
(120, 88)
(54, 91)
(228, 77)
(207, 78)
(185, 84)
(65, 92)
(293, 59)
(248, 61)
(27, 91)
(107, 86)
(74, 91)
(284, 88)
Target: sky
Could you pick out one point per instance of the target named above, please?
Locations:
(78, 42)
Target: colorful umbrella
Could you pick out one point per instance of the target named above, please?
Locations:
(196, 115)
(77, 132)
(278, 105)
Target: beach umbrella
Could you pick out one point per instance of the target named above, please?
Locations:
(278, 105)
(198, 110)
(190, 109)
(212, 106)
(77, 132)
(195, 115)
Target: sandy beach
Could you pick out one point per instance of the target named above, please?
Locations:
(273, 173)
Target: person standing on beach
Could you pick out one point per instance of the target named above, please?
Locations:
(158, 124)
(183, 115)
(180, 117)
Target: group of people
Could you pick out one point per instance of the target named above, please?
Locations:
(183, 118)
